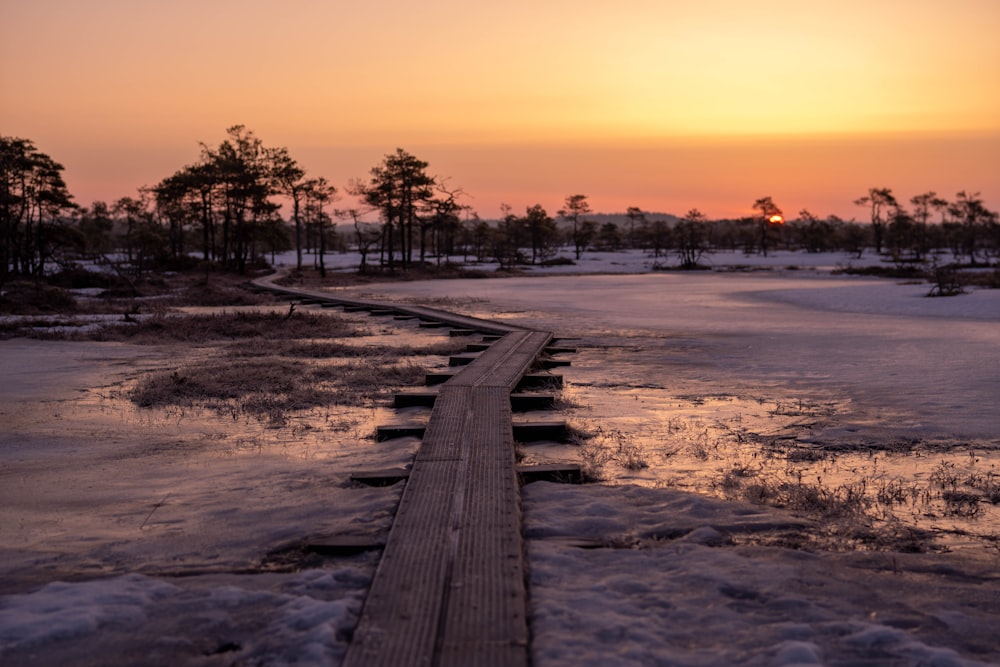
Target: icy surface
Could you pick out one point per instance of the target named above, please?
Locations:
(128, 539)
(668, 590)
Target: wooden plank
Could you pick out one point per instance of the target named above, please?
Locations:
(414, 399)
(526, 432)
(563, 473)
(393, 431)
(530, 402)
(386, 477)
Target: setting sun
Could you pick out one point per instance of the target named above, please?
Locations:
(776, 220)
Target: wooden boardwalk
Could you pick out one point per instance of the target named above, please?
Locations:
(449, 588)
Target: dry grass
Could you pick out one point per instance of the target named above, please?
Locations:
(228, 326)
(268, 389)
(270, 364)
(605, 447)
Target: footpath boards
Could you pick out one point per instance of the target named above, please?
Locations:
(449, 589)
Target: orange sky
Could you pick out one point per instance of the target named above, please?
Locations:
(662, 105)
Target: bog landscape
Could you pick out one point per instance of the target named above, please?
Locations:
(783, 428)
(449, 334)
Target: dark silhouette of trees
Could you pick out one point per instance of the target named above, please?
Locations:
(690, 238)
(635, 216)
(575, 207)
(976, 223)
(97, 227)
(508, 238)
(542, 232)
(656, 235)
(444, 221)
(290, 180)
(230, 193)
(766, 220)
(878, 200)
(34, 205)
(399, 188)
(814, 234)
(316, 194)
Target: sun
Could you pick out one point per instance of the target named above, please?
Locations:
(776, 220)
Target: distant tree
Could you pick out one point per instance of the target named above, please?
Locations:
(850, 236)
(481, 239)
(542, 233)
(635, 215)
(975, 219)
(575, 207)
(814, 233)
(690, 238)
(443, 220)
(768, 216)
(903, 235)
(608, 237)
(317, 193)
(508, 238)
(878, 200)
(145, 242)
(97, 226)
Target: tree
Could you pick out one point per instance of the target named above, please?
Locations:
(769, 216)
(968, 211)
(690, 238)
(608, 237)
(542, 232)
(291, 181)
(508, 239)
(635, 215)
(575, 207)
(398, 188)
(814, 233)
(34, 202)
(97, 225)
(316, 194)
(444, 222)
(877, 200)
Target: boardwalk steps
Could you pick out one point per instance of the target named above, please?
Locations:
(518, 402)
(449, 589)
(553, 472)
(533, 431)
(528, 381)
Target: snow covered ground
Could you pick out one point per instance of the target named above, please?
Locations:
(128, 539)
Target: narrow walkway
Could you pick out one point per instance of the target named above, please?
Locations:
(449, 588)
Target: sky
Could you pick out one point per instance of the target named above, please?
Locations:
(666, 105)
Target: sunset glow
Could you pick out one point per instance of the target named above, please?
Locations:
(665, 106)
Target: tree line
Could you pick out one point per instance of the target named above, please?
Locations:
(241, 201)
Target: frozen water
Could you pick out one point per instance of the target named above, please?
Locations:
(165, 541)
